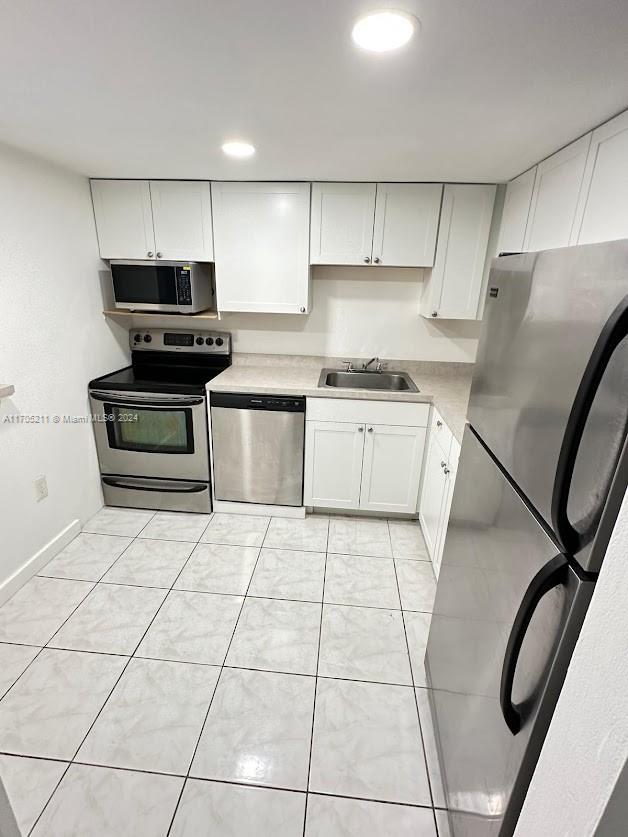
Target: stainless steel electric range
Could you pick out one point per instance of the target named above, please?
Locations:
(150, 420)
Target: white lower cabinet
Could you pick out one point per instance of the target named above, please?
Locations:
(391, 468)
(366, 464)
(333, 464)
(433, 495)
(439, 476)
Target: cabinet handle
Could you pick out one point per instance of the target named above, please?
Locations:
(370, 429)
(439, 424)
(445, 470)
(434, 313)
(302, 309)
(377, 260)
(360, 429)
(150, 254)
(367, 259)
(443, 464)
(159, 255)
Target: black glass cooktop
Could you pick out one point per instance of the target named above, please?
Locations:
(161, 374)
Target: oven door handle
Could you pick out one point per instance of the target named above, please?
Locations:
(184, 488)
(162, 401)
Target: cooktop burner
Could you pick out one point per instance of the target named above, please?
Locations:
(170, 361)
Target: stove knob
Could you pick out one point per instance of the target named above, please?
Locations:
(209, 341)
(147, 338)
(199, 341)
(137, 338)
(219, 341)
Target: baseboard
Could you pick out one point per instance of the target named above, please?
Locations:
(227, 507)
(38, 560)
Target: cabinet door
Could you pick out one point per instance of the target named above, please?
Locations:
(450, 473)
(515, 215)
(406, 223)
(555, 197)
(182, 218)
(453, 290)
(602, 213)
(333, 464)
(124, 220)
(261, 244)
(342, 223)
(433, 496)
(391, 471)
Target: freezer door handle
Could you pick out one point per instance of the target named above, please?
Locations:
(553, 574)
(574, 538)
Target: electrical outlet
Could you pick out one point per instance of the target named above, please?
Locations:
(41, 488)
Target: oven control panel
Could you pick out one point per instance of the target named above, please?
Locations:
(180, 340)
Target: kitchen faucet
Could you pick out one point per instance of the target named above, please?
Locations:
(365, 366)
(378, 366)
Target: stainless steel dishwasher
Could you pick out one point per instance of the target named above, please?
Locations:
(257, 443)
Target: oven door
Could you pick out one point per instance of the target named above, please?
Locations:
(151, 435)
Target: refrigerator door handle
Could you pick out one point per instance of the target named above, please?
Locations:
(614, 331)
(553, 574)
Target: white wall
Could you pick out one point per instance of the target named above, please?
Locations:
(587, 744)
(53, 340)
(358, 312)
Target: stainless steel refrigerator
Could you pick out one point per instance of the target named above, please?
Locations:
(542, 473)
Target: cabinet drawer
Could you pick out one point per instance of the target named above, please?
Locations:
(373, 412)
(440, 432)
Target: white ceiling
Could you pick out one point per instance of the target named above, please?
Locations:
(151, 88)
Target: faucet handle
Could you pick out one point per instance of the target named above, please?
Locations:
(348, 365)
(381, 365)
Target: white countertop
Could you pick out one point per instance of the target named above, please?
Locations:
(446, 385)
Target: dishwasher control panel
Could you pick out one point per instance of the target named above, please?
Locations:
(241, 401)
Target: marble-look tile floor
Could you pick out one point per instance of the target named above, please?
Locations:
(224, 675)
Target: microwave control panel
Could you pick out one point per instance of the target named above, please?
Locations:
(184, 286)
(166, 340)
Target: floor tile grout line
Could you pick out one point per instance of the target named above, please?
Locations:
(318, 656)
(46, 647)
(414, 694)
(240, 784)
(173, 589)
(222, 667)
(124, 668)
(43, 647)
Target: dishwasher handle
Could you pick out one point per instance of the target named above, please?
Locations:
(240, 401)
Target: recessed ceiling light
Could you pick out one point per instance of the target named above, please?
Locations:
(383, 31)
(238, 149)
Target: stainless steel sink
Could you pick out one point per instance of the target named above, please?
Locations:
(387, 381)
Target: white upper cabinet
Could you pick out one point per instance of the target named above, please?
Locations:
(124, 220)
(602, 213)
(515, 215)
(261, 242)
(392, 224)
(453, 289)
(163, 219)
(342, 223)
(182, 220)
(406, 224)
(555, 197)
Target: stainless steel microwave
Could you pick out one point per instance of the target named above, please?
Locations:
(179, 287)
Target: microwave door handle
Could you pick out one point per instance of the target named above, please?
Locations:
(572, 537)
(162, 401)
